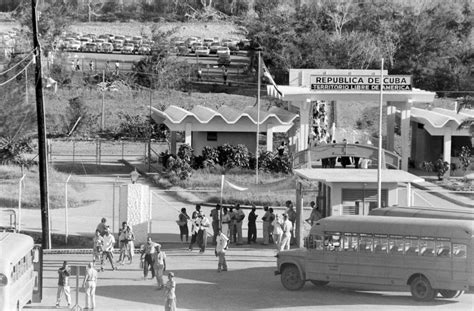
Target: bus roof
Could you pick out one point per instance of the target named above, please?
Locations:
(449, 228)
(13, 246)
(423, 212)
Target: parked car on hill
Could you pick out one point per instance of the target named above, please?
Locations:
(190, 41)
(202, 51)
(223, 50)
(214, 47)
(90, 47)
(128, 48)
(84, 41)
(223, 60)
(107, 47)
(182, 50)
(208, 41)
(118, 45)
(144, 49)
(74, 45)
(196, 46)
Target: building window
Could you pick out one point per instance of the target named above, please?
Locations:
(211, 136)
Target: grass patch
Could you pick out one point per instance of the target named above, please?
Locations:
(272, 190)
(30, 193)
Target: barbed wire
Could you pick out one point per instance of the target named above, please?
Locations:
(17, 74)
(17, 64)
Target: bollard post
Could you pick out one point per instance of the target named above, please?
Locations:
(66, 211)
(20, 183)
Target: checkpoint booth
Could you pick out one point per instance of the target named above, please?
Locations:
(349, 191)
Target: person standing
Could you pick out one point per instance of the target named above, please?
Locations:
(221, 247)
(277, 232)
(271, 218)
(102, 226)
(266, 225)
(224, 74)
(315, 214)
(215, 222)
(287, 228)
(197, 212)
(199, 74)
(292, 218)
(239, 217)
(233, 226)
(98, 247)
(123, 243)
(90, 284)
(170, 293)
(202, 233)
(159, 260)
(109, 242)
(117, 66)
(225, 222)
(63, 284)
(252, 226)
(91, 65)
(183, 225)
(196, 222)
(147, 258)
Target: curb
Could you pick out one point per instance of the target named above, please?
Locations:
(443, 196)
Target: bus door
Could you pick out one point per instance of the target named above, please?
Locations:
(460, 270)
(332, 260)
(38, 271)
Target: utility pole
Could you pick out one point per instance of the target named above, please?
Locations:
(42, 165)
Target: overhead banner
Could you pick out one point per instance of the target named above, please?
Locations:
(359, 83)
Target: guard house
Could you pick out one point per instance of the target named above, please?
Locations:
(343, 86)
(204, 126)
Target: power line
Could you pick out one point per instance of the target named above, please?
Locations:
(14, 66)
(17, 74)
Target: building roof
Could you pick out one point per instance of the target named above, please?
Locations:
(352, 175)
(230, 117)
(439, 118)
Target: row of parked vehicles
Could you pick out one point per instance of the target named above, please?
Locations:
(108, 43)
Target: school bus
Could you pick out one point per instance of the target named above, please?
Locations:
(20, 264)
(423, 212)
(430, 256)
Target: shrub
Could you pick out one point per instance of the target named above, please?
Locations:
(441, 168)
(465, 157)
(210, 157)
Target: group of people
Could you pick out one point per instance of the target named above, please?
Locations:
(346, 161)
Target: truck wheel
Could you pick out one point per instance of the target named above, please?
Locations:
(446, 293)
(319, 283)
(421, 289)
(291, 278)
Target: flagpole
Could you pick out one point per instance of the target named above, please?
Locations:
(258, 114)
(379, 166)
(220, 211)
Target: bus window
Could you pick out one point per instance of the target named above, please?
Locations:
(443, 248)
(349, 242)
(365, 243)
(380, 244)
(459, 251)
(396, 244)
(332, 241)
(427, 247)
(411, 246)
(315, 242)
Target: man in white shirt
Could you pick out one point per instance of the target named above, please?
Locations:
(109, 242)
(221, 247)
(287, 228)
(90, 284)
(202, 234)
(159, 260)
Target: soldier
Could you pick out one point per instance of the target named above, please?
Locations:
(239, 217)
(252, 226)
(266, 225)
(215, 222)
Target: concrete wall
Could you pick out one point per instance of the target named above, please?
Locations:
(232, 138)
(134, 208)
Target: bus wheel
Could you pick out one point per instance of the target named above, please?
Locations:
(291, 278)
(421, 289)
(446, 293)
(319, 283)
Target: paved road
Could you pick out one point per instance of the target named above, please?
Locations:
(248, 285)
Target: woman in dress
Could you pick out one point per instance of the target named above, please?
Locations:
(225, 222)
(183, 225)
(170, 293)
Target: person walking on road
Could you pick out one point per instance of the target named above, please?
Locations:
(147, 258)
(170, 293)
(196, 222)
(224, 74)
(109, 242)
(102, 226)
(277, 232)
(63, 285)
(183, 225)
(239, 217)
(271, 218)
(215, 222)
(202, 233)
(221, 247)
(90, 284)
(98, 248)
(252, 226)
(287, 228)
(159, 260)
(292, 218)
(266, 225)
(225, 222)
